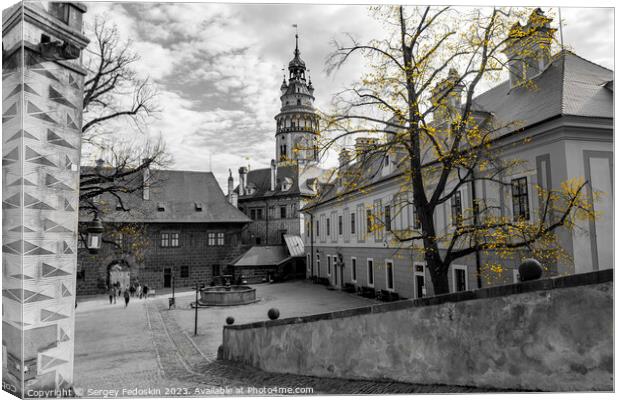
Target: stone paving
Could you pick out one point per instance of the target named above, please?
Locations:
(295, 298)
(146, 351)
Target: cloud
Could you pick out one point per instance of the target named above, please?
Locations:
(218, 68)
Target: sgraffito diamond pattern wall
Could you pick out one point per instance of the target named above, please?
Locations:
(40, 197)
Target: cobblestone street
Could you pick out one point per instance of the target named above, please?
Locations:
(143, 350)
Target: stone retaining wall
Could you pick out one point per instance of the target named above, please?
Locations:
(552, 334)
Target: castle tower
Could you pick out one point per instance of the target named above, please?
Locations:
(297, 124)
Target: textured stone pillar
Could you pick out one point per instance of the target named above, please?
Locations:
(42, 85)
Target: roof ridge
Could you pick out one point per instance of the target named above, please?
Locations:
(563, 77)
(585, 59)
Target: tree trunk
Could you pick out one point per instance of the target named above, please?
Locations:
(436, 266)
(439, 278)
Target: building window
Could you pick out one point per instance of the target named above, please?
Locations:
(318, 264)
(198, 206)
(211, 238)
(340, 224)
(368, 221)
(283, 212)
(389, 271)
(329, 266)
(388, 218)
(220, 238)
(353, 269)
(256, 213)
(119, 239)
(416, 219)
(515, 276)
(317, 228)
(174, 239)
(370, 272)
(165, 240)
(184, 271)
(327, 227)
(457, 209)
(169, 239)
(520, 200)
(161, 206)
(215, 270)
(353, 223)
(460, 278)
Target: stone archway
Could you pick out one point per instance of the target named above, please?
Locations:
(118, 271)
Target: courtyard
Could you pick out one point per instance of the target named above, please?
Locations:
(148, 350)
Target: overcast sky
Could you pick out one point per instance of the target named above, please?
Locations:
(218, 68)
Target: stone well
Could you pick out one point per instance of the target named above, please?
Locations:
(227, 295)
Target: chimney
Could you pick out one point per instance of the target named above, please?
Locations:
(344, 157)
(146, 181)
(452, 87)
(363, 145)
(243, 174)
(233, 199)
(274, 175)
(447, 96)
(528, 47)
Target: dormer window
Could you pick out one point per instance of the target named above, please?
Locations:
(161, 206)
(286, 184)
(119, 207)
(387, 167)
(198, 206)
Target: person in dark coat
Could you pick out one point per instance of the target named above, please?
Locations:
(126, 295)
(145, 291)
(112, 294)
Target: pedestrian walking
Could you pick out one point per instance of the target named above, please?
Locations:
(126, 298)
(132, 290)
(112, 294)
(145, 291)
(139, 291)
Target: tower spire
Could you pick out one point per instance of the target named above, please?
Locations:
(296, 40)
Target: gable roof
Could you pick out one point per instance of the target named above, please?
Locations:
(355, 176)
(178, 192)
(260, 179)
(570, 85)
(262, 256)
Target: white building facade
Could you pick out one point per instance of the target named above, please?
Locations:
(565, 132)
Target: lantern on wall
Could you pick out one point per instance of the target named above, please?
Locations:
(94, 230)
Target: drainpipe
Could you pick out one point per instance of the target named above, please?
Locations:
(311, 244)
(476, 223)
(266, 222)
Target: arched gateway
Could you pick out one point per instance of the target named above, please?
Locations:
(118, 271)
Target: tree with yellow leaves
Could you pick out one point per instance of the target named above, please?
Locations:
(419, 96)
